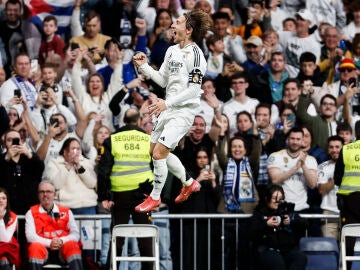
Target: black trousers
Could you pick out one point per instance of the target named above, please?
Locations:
(124, 207)
(349, 206)
(270, 259)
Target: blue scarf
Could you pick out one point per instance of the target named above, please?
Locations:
(238, 184)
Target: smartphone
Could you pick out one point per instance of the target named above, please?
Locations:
(17, 92)
(43, 88)
(15, 141)
(100, 150)
(54, 121)
(352, 81)
(291, 118)
(207, 167)
(74, 46)
(34, 66)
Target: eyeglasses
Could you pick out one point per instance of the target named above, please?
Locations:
(42, 192)
(328, 104)
(347, 69)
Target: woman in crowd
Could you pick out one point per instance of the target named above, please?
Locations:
(245, 125)
(70, 172)
(205, 201)
(94, 137)
(272, 232)
(93, 97)
(9, 247)
(21, 171)
(240, 196)
(160, 41)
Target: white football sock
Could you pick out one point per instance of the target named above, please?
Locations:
(160, 174)
(177, 168)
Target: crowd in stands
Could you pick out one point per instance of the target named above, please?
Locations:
(280, 99)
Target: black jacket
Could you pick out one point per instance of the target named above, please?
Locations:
(281, 238)
(21, 181)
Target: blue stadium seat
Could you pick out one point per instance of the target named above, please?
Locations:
(321, 252)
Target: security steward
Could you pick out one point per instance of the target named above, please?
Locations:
(124, 175)
(347, 177)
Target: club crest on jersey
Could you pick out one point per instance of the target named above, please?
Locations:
(186, 54)
(195, 76)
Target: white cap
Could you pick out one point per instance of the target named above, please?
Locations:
(306, 15)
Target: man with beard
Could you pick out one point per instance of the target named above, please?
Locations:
(257, 56)
(294, 170)
(327, 187)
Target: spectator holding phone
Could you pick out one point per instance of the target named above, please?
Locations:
(71, 171)
(21, 172)
(49, 102)
(20, 85)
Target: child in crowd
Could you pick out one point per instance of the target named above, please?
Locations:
(309, 70)
(233, 29)
(51, 42)
(345, 131)
(271, 39)
(289, 24)
(49, 76)
(217, 59)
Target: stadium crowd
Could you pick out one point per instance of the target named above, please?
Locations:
(280, 99)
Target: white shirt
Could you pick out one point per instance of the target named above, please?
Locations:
(55, 146)
(28, 92)
(233, 107)
(350, 30)
(330, 11)
(325, 173)
(295, 186)
(181, 73)
(295, 46)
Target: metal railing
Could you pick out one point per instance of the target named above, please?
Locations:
(196, 218)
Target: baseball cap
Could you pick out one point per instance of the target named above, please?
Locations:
(347, 63)
(254, 40)
(305, 14)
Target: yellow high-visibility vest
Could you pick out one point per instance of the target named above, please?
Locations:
(130, 150)
(351, 179)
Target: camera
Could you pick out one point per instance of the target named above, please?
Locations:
(285, 208)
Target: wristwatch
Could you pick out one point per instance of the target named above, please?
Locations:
(81, 170)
